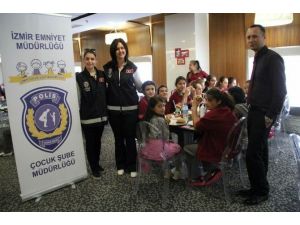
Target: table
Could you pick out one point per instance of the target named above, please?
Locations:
(186, 133)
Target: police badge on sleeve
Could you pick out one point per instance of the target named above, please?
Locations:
(46, 118)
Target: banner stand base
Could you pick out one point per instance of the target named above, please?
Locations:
(38, 195)
(38, 199)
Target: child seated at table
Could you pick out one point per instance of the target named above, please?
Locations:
(198, 85)
(158, 146)
(148, 88)
(240, 110)
(162, 91)
(180, 96)
(213, 128)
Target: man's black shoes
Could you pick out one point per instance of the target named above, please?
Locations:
(252, 198)
(245, 193)
(256, 199)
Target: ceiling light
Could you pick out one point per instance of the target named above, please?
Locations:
(273, 19)
(115, 35)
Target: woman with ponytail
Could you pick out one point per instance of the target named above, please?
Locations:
(195, 72)
(213, 128)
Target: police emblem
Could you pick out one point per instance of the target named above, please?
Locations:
(86, 86)
(46, 118)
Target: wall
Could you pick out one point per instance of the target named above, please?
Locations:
(228, 50)
(92, 39)
(158, 52)
(179, 33)
(139, 44)
(227, 45)
(139, 40)
(278, 36)
(202, 40)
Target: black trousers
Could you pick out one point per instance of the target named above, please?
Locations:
(257, 155)
(93, 136)
(123, 124)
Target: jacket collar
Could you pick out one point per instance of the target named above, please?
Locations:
(111, 64)
(86, 72)
(261, 52)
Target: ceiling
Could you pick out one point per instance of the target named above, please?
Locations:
(103, 21)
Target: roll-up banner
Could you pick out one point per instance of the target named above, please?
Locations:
(38, 70)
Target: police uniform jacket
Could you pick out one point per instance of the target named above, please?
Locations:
(122, 86)
(92, 97)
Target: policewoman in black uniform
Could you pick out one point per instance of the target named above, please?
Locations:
(93, 113)
(122, 104)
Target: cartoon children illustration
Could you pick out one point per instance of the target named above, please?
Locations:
(22, 67)
(36, 64)
(61, 65)
(49, 66)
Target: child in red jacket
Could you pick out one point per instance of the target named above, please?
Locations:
(213, 129)
(148, 88)
(180, 96)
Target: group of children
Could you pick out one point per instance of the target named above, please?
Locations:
(223, 106)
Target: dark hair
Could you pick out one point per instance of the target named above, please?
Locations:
(161, 86)
(238, 94)
(151, 105)
(196, 62)
(226, 99)
(113, 49)
(208, 78)
(262, 29)
(179, 79)
(195, 82)
(89, 50)
(230, 80)
(146, 83)
(221, 79)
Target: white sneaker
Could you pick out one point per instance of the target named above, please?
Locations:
(167, 174)
(176, 175)
(133, 174)
(120, 172)
(7, 154)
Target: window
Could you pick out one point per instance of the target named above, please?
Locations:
(291, 57)
(144, 64)
(77, 67)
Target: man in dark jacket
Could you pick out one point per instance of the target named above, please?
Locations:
(266, 95)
